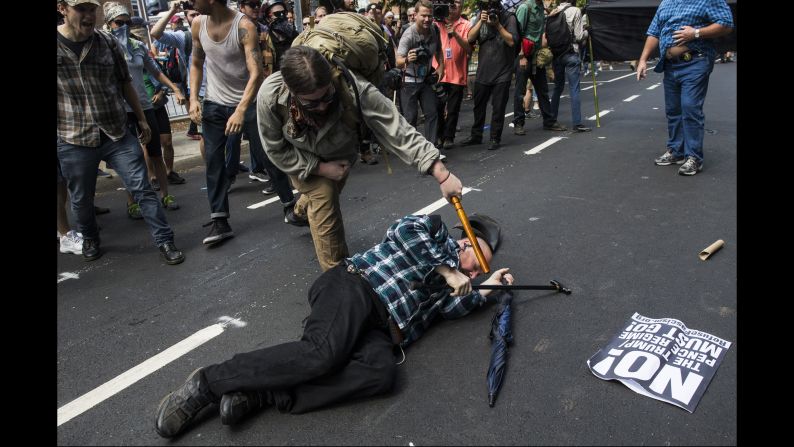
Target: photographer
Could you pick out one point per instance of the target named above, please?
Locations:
(456, 50)
(496, 32)
(419, 43)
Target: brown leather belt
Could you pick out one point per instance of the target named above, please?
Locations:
(683, 57)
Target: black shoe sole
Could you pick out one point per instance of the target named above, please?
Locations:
(92, 258)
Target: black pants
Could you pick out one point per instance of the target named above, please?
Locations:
(541, 90)
(345, 352)
(499, 94)
(448, 123)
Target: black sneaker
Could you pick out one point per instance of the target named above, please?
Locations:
(471, 141)
(170, 254)
(581, 128)
(668, 158)
(293, 219)
(236, 406)
(556, 126)
(175, 179)
(259, 177)
(494, 145)
(690, 167)
(178, 409)
(91, 250)
(220, 231)
(270, 188)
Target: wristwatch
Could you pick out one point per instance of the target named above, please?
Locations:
(697, 33)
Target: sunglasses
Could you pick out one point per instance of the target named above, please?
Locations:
(122, 22)
(311, 104)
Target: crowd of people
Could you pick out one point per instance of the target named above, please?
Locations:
(308, 120)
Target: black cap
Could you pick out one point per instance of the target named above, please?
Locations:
(485, 228)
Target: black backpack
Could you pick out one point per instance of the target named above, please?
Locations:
(558, 35)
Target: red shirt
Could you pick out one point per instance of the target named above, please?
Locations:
(455, 67)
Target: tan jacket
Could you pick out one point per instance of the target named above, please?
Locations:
(336, 140)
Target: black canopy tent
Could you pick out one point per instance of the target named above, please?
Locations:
(618, 28)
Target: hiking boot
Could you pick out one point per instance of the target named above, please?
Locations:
(471, 141)
(236, 406)
(494, 145)
(72, 242)
(175, 179)
(518, 129)
(178, 409)
(155, 184)
(690, 167)
(556, 126)
(91, 249)
(169, 203)
(581, 128)
(170, 254)
(134, 211)
(668, 158)
(220, 231)
(259, 176)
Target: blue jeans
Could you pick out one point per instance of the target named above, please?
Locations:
(233, 155)
(685, 86)
(79, 165)
(213, 121)
(567, 66)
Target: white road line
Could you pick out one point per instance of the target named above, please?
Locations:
(136, 373)
(542, 146)
(586, 88)
(268, 201)
(67, 275)
(439, 203)
(620, 77)
(592, 118)
(631, 98)
(509, 114)
(653, 86)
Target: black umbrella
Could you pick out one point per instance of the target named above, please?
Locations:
(501, 336)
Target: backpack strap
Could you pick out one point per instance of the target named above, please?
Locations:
(113, 45)
(349, 78)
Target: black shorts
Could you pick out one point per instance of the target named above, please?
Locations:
(153, 148)
(163, 121)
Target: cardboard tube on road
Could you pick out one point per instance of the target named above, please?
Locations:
(711, 249)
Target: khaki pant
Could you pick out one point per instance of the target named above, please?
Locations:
(319, 202)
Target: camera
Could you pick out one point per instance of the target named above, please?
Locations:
(422, 55)
(441, 9)
(437, 88)
(393, 79)
(494, 7)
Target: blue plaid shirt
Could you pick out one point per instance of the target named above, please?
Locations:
(673, 14)
(409, 252)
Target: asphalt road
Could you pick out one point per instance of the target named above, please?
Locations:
(590, 210)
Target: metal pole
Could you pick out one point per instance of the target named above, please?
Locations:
(298, 16)
(470, 234)
(595, 86)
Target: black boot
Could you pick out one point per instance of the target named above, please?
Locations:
(236, 406)
(179, 408)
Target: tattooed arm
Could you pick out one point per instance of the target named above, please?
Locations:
(249, 45)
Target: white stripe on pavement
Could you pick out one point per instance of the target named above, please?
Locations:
(509, 114)
(268, 201)
(439, 203)
(592, 118)
(631, 98)
(136, 373)
(653, 86)
(542, 146)
(621, 77)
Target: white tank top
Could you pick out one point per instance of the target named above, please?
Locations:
(227, 74)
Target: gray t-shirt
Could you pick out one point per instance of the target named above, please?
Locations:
(495, 63)
(138, 59)
(412, 39)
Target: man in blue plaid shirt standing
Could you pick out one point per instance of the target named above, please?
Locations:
(682, 30)
(359, 310)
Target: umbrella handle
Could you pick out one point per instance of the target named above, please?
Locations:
(470, 234)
